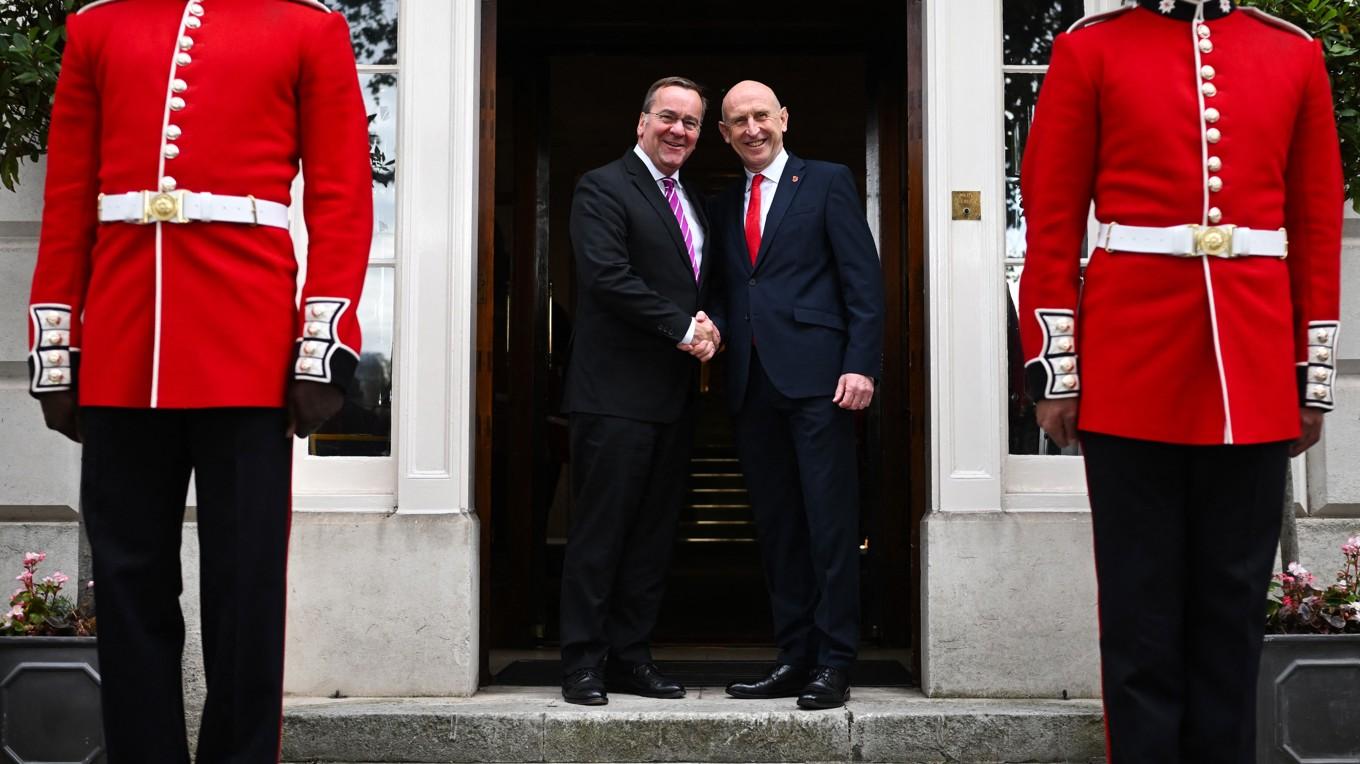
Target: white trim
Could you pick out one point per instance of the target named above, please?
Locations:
(437, 236)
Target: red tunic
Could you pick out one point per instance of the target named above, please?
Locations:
(224, 97)
(1163, 124)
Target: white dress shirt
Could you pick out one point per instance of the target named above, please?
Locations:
(696, 231)
(768, 184)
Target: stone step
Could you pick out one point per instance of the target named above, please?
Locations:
(532, 724)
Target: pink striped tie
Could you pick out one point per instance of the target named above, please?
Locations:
(673, 199)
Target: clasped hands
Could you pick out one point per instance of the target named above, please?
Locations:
(706, 341)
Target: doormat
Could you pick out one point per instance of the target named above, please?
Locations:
(548, 673)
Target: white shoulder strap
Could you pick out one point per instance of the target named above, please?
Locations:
(95, 4)
(1096, 18)
(317, 4)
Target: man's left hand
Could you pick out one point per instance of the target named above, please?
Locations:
(310, 404)
(854, 392)
(1310, 422)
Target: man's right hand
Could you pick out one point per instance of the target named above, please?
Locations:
(706, 338)
(61, 413)
(1058, 418)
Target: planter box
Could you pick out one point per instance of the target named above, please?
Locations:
(1308, 700)
(49, 701)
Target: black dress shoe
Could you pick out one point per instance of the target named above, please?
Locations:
(784, 681)
(584, 687)
(829, 688)
(642, 679)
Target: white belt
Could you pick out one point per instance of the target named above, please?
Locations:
(143, 207)
(1193, 240)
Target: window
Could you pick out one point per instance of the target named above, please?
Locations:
(352, 452)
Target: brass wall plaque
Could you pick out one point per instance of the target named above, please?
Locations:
(967, 205)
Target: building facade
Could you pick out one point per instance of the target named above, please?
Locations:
(978, 539)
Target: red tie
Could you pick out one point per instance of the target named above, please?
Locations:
(753, 219)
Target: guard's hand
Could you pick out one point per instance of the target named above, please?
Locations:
(854, 392)
(1310, 423)
(1058, 418)
(61, 413)
(310, 404)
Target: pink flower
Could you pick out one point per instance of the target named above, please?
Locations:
(90, 584)
(1298, 570)
(17, 613)
(33, 558)
(26, 577)
(48, 580)
(60, 578)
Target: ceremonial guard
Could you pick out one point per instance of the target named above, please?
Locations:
(166, 332)
(1197, 353)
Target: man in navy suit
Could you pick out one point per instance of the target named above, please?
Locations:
(798, 297)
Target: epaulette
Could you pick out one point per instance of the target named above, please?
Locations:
(95, 4)
(317, 4)
(1096, 18)
(1274, 21)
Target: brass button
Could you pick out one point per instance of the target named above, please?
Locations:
(1206, 46)
(1065, 345)
(1211, 115)
(1064, 326)
(318, 311)
(311, 348)
(171, 151)
(183, 59)
(1215, 164)
(1318, 393)
(53, 319)
(1319, 375)
(177, 104)
(195, 9)
(54, 358)
(1215, 183)
(55, 375)
(172, 132)
(168, 183)
(1213, 135)
(1066, 365)
(1323, 337)
(313, 330)
(186, 42)
(1208, 90)
(193, 22)
(1069, 381)
(1322, 354)
(179, 86)
(1203, 30)
(1207, 72)
(1215, 215)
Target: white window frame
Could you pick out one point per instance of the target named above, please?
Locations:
(430, 469)
(965, 152)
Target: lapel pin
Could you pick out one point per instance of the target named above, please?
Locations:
(794, 179)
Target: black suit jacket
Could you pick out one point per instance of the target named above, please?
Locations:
(814, 299)
(635, 296)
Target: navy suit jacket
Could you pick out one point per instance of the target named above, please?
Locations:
(813, 300)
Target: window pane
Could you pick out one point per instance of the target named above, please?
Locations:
(1021, 93)
(372, 27)
(364, 426)
(380, 102)
(1029, 26)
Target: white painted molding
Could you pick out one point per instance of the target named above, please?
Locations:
(964, 143)
(438, 243)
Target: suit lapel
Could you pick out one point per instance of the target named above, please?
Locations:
(651, 191)
(783, 197)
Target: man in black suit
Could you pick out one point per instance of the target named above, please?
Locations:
(638, 238)
(798, 294)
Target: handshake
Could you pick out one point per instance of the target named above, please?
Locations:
(706, 341)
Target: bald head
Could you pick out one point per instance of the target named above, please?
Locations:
(753, 123)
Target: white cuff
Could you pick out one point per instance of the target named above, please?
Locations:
(689, 335)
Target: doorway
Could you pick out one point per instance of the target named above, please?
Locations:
(568, 83)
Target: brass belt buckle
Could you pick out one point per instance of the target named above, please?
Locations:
(1214, 241)
(163, 207)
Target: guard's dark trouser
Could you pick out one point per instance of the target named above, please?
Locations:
(1185, 540)
(134, 476)
(628, 480)
(799, 459)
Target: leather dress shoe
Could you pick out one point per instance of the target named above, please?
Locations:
(642, 679)
(829, 688)
(584, 687)
(784, 681)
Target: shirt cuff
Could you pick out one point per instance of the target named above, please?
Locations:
(689, 335)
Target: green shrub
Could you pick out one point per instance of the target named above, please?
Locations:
(32, 35)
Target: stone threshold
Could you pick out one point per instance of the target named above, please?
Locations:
(533, 724)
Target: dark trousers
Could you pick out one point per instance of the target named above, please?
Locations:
(134, 477)
(798, 456)
(1185, 540)
(628, 480)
